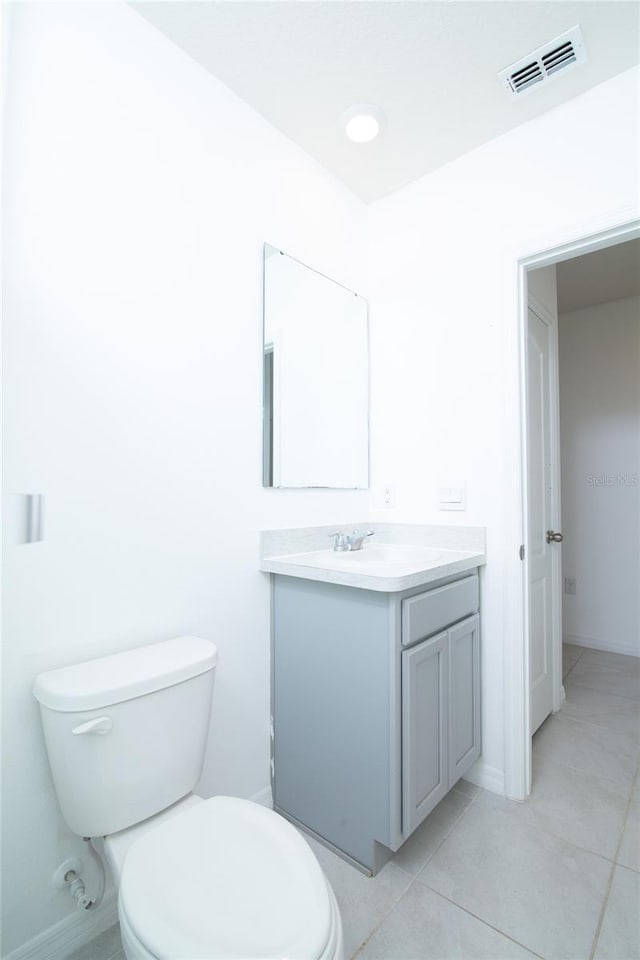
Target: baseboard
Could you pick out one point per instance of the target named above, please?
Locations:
(69, 934)
(263, 797)
(589, 643)
(485, 776)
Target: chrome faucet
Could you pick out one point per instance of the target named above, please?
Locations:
(349, 541)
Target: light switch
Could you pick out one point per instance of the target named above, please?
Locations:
(452, 496)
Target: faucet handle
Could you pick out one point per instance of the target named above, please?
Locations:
(343, 541)
(350, 541)
(357, 537)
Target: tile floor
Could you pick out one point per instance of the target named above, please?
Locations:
(557, 877)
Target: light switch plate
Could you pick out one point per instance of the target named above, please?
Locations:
(452, 496)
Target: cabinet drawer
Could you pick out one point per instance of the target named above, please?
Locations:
(429, 612)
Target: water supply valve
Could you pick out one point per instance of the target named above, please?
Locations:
(68, 875)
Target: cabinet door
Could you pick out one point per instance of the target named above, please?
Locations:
(425, 771)
(464, 696)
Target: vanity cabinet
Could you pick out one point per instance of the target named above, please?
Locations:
(376, 707)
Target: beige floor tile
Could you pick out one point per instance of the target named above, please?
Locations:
(424, 842)
(604, 658)
(469, 789)
(363, 901)
(620, 934)
(612, 754)
(567, 667)
(604, 709)
(572, 650)
(629, 853)
(529, 884)
(576, 806)
(570, 656)
(424, 926)
(610, 673)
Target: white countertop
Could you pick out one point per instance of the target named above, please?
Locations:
(388, 566)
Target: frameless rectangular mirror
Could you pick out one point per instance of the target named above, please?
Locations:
(316, 378)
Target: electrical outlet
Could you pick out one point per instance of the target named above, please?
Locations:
(388, 497)
(570, 586)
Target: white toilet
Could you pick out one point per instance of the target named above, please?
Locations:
(217, 879)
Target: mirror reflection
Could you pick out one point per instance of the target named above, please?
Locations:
(316, 378)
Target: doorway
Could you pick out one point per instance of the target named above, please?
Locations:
(519, 701)
(599, 364)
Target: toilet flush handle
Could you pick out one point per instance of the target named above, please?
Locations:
(99, 725)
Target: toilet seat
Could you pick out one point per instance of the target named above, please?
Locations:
(134, 950)
(227, 880)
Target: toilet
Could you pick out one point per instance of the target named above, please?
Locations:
(198, 879)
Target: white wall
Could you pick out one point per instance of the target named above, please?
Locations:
(600, 443)
(138, 194)
(443, 287)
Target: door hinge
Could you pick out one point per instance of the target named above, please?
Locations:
(521, 551)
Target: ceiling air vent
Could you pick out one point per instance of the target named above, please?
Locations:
(545, 63)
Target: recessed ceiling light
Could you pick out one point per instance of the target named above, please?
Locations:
(362, 122)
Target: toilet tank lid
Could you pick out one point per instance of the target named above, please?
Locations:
(123, 676)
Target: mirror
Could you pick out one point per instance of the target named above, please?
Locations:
(316, 379)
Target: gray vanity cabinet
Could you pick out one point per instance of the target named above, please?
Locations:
(376, 707)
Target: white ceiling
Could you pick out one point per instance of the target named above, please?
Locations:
(609, 274)
(430, 65)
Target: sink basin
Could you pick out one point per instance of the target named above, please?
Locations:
(378, 559)
(387, 553)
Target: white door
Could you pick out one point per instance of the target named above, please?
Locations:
(542, 563)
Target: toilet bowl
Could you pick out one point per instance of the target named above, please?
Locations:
(223, 879)
(216, 879)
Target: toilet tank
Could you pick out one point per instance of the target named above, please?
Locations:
(126, 734)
